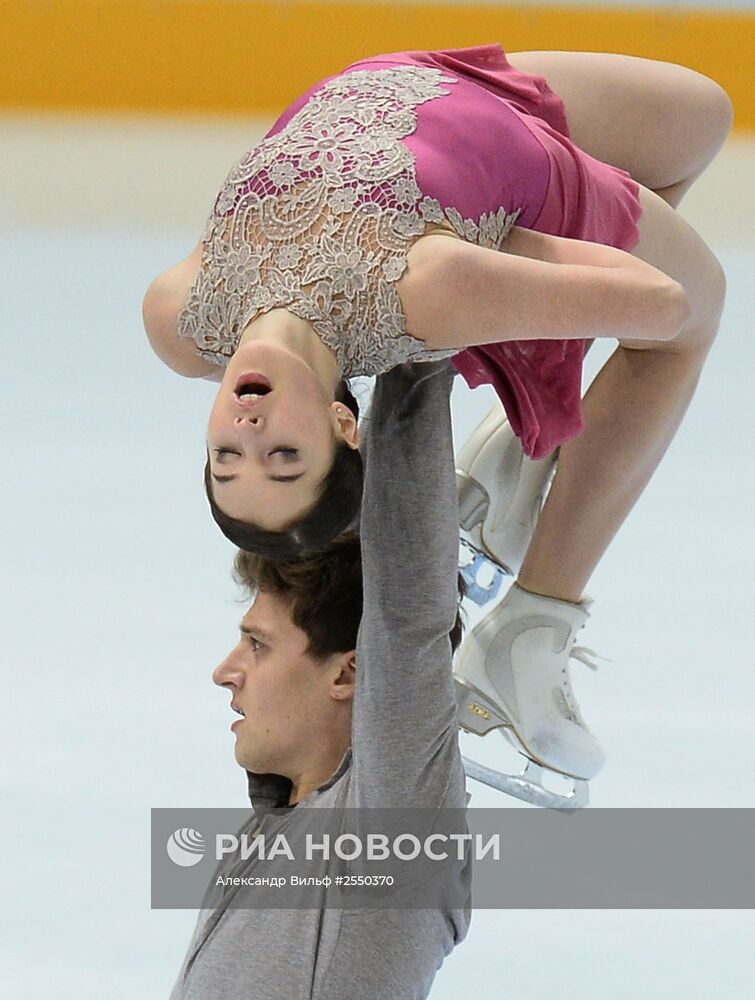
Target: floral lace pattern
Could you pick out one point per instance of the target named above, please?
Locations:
(320, 217)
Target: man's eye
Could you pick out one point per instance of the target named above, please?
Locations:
(256, 644)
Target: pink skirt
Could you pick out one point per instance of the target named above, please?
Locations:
(539, 382)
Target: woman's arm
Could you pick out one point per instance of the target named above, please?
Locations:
(540, 287)
(216, 375)
(163, 301)
(561, 250)
(160, 312)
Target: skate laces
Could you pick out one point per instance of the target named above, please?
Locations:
(580, 653)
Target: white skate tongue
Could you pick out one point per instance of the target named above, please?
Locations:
(580, 653)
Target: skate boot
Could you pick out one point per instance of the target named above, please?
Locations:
(501, 492)
(513, 672)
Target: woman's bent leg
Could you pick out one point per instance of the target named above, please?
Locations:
(661, 122)
(631, 411)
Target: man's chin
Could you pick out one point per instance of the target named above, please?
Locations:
(249, 761)
(242, 759)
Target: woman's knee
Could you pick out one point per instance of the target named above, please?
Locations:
(670, 244)
(711, 294)
(720, 110)
(699, 330)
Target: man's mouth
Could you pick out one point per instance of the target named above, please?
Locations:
(241, 712)
(252, 386)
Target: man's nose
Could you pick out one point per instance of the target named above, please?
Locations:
(228, 672)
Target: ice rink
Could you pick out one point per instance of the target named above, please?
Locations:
(118, 600)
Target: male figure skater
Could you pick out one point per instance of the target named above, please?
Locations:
(332, 718)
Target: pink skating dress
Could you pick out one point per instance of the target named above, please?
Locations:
(320, 215)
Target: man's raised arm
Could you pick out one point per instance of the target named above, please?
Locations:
(405, 741)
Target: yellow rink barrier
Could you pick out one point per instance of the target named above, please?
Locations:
(240, 57)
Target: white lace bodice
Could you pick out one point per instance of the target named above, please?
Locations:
(319, 218)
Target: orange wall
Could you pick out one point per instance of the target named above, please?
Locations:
(242, 57)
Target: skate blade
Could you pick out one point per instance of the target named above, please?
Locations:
(528, 786)
(476, 569)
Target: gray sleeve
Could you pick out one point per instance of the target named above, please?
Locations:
(404, 734)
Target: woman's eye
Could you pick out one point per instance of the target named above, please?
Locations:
(290, 453)
(225, 451)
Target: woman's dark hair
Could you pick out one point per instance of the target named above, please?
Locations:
(335, 510)
(324, 591)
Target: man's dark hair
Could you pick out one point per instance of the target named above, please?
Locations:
(335, 510)
(325, 593)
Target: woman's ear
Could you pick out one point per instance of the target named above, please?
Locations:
(347, 425)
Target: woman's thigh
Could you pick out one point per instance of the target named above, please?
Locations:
(669, 243)
(659, 121)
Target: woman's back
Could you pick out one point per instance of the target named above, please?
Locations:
(320, 215)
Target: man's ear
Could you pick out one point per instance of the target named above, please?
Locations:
(344, 684)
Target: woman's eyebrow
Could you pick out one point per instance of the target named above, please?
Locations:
(276, 479)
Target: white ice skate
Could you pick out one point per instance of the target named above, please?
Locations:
(501, 492)
(512, 673)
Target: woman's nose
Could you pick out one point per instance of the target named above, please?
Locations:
(249, 428)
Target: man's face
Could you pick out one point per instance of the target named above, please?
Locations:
(290, 701)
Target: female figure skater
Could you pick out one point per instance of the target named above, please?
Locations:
(318, 264)
(317, 259)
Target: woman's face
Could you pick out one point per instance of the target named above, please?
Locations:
(271, 437)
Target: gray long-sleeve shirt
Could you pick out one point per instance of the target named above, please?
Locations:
(404, 748)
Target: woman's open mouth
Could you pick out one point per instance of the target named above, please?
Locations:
(251, 386)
